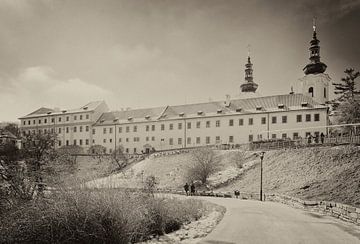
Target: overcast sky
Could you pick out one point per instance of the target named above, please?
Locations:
(156, 52)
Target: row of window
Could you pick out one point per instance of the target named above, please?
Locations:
(52, 120)
(67, 142)
(59, 130)
(274, 120)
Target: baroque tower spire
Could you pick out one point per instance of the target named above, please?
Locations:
(249, 85)
(315, 66)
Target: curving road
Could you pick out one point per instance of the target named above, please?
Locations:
(255, 222)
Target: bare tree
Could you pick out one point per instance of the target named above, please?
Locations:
(205, 163)
(118, 158)
(97, 152)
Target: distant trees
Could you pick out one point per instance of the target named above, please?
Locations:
(205, 163)
(13, 128)
(347, 105)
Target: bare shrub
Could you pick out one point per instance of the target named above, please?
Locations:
(239, 158)
(205, 163)
(87, 216)
(118, 158)
(150, 184)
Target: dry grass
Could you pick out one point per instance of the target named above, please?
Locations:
(104, 216)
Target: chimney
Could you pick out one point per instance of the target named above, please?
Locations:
(227, 101)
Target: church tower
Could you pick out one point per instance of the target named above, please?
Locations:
(315, 83)
(249, 86)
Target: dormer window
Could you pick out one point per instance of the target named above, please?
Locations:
(200, 112)
(147, 117)
(219, 111)
(258, 108)
(130, 118)
(85, 108)
(116, 120)
(64, 111)
(102, 121)
(281, 106)
(181, 114)
(238, 110)
(304, 104)
(48, 112)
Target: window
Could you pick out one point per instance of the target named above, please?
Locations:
(162, 127)
(241, 122)
(295, 135)
(75, 142)
(74, 129)
(308, 117)
(316, 117)
(119, 139)
(127, 128)
(153, 127)
(80, 128)
(198, 124)
(179, 141)
(110, 140)
(263, 120)
(87, 116)
(104, 140)
(179, 126)
(104, 131)
(110, 130)
(207, 124)
(59, 143)
(59, 119)
(67, 129)
(147, 138)
(147, 128)
(231, 139)
(207, 140)
(67, 142)
(273, 136)
(127, 150)
(33, 121)
(324, 92)
(87, 128)
(134, 149)
(75, 117)
(120, 129)
(87, 142)
(153, 138)
(251, 138)
(217, 139)
(127, 139)
(197, 140)
(171, 126)
(67, 118)
(52, 120)
(298, 118)
(273, 120)
(29, 122)
(231, 122)
(217, 123)
(171, 141)
(283, 135)
(188, 141)
(135, 128)
(39, 121)
(311, 91)
(80, 142)
(189, 125)
(284, 119)
(93, 131)
(59, 130)
(80, 117)
(251, 121)
(45, 121)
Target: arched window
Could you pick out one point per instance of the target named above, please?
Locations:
(311, 91)
(324, 92)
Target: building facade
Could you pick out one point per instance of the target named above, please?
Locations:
(232, 121)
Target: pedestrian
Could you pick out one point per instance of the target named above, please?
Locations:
(309, 137)
(322, 137)
(186, 188)
(192, 188)
(237, 193)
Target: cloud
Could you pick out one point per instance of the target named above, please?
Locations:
(40, 86)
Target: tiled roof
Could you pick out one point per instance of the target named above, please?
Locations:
(47, 111)
(236, 106)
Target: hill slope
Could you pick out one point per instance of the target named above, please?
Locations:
(328, 173)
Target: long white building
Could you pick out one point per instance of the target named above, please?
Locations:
(233, 121)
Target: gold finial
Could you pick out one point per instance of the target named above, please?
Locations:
(314, 24)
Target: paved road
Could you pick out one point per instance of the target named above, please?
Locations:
(255, 222)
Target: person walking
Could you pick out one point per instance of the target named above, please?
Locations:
(309, 138)
(322, 137)
(186, 188)
(192, 189)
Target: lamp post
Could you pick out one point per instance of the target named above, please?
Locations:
(261, 174)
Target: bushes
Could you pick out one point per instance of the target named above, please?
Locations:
(106, 216)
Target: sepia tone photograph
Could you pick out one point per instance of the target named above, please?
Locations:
(180, 121)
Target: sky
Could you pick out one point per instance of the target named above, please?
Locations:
(65, 53)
